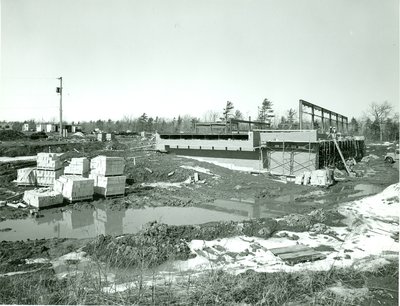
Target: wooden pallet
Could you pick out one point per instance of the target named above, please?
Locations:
(297, 253)
(80, 199)
(48, 168)
(111, 196)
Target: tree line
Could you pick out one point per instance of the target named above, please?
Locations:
(378, 122)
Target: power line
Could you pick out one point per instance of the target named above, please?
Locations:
(30, 78)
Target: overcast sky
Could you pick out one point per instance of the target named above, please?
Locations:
(168, 57)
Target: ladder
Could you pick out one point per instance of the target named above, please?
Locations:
(341, 155)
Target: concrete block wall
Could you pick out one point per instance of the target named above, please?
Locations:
(206, 144)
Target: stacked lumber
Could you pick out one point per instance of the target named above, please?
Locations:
(108, 185)
(107, 166)
(47, 177)
(26, 177)
(107, 175)
(49, 161)
(78, 166)
(75, 187)
(42, 197)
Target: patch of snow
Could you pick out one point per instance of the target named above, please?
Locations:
(226, 164)
(349, 294)
(386, 143)
(370, 223)
(165, 185)
(31, 261)
(6, 159)
(199, 169)
(18, 273)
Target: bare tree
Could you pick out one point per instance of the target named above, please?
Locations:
(380, 112)
(210, 116)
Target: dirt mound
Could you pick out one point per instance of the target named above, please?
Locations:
(11, 135)
(157, 242)
(156, 167)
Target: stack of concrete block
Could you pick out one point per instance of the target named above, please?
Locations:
(321, 177)
(315, 178)
(42, 197)
(49, 168)
(107, 174)
(109, 185)
(26, 177)
(47, 177)
(107, 166)
(75, 187)
(78, 166)
(48, 161)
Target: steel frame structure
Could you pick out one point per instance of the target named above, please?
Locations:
(341, 123)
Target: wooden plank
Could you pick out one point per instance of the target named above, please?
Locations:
(288, 256)
(305, 258)
(289, 249)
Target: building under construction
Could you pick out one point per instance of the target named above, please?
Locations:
(321, 141)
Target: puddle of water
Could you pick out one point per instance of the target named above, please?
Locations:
(257, 208)
(87, 223)
(365, 189)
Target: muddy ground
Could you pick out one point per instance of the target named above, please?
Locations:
(303, 206)
(147, 167)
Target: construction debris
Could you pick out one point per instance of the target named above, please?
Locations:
(42, 197)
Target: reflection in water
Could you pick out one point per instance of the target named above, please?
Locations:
(89, 222)
(366, 189)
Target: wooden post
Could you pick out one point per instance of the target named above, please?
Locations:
(322, 120)
(337, 122)
(300, 115)
(312, 117)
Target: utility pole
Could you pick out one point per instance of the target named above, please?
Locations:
(59, 90)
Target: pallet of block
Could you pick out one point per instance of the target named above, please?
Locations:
(78, 166)
(75, 188)
(42, 197)
(107, 166)
(48, 161)
(26, 177)
(47, 177)
(109, 186)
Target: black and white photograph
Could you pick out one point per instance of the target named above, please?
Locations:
(199, 152)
